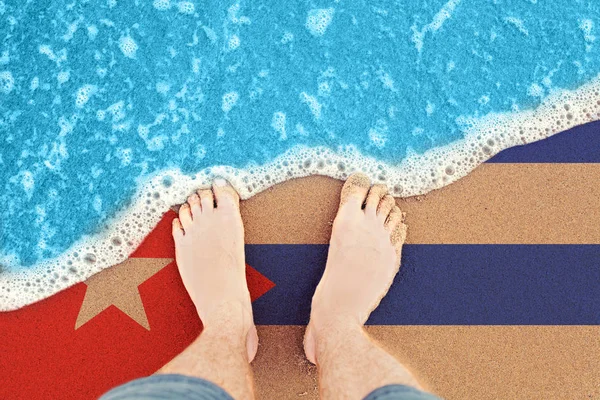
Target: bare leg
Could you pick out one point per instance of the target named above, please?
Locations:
(364, 257)
(209, 248)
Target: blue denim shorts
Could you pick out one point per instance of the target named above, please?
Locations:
(163, 387)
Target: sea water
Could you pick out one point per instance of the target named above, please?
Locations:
(111, 111)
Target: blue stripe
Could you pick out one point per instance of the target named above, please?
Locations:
(448, 285)
(577, 145)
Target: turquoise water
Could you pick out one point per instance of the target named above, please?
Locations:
(95, 96)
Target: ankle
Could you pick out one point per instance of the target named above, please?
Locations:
(335, 327)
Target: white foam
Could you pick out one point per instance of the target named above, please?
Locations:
(97, 204)
(71, 29)
(379, 134)
(535, 90)
(517, 23)
(313, 104)
(587, 25)
(92, 31)
(318, 20)
(162, 87)
(62, 77)
(430, 108)
(196, 62)
(128, 46)
(83, 94)
(28, 183)
(233, 43)
(117, 111)
(7, 82)
(386, 80)
(5, 58)
(324, 89)
(161, 5)
(278, 123)
(229, 100)
(35, 83)
(417, 174)
(438, 21)
(186, 7)
(287, 37)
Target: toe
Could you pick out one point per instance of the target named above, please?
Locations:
(393, 219)
(207, 200)
(185, 216)
(376, 193)
(225, 194)
(194, 202)
(398, 237)
(177, 229)
(355, 190)
(385, 206)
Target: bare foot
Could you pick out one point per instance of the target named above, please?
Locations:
(209, 249)
(364, 257)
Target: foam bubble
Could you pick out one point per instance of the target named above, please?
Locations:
(324, 89)
(278, 123)
(379, 134)
(128, 46)
(83, 95)
(535, 90)
(97, 204)
(63, 77)
(430, 108)
(313, 104)
(92, 32)
(117, 111)
(28, 183)
(7, 82)
(517, 23)
(200, 151)
(162, 5)
(186, 7)
(386, 80)
(162, 87)
(229, 100)
(318, 20)
(587, 25)
(5, 58)
(233, 43)
(196, 62)
(35, 83)
(287, 37)
(438, 21)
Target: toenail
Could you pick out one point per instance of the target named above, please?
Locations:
(220, 182)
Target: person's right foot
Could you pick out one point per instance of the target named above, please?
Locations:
(364, 257)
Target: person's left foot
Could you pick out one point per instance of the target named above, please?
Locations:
(209, 249)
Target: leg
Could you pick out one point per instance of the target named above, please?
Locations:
(209, 248)
(364, 257)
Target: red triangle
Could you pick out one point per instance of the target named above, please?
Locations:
(43, 357)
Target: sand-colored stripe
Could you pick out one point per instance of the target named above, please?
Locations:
(455, 362)
(495, 204)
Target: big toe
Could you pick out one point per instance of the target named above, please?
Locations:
(225, 195)
(355, 190)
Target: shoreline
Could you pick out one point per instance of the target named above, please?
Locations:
(415, 175)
